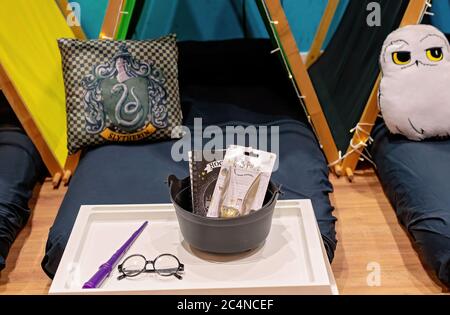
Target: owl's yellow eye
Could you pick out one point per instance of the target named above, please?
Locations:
(435, 54)
(401, 57)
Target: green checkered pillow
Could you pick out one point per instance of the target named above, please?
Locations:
(118, 91)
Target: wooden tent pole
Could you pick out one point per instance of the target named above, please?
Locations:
(302, 79)
(66, 10)
(413, 15)
(70, 167)
(56, 169)
(112, 19)
(72, 160)
(322, 31)
(28, 124)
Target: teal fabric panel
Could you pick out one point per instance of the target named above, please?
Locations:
(199, 20)
(254, 24)
(204, 20)
(91, 16)
(304, 17)
(212, 19)
(441, 17)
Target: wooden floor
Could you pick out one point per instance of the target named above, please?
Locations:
(368, 233)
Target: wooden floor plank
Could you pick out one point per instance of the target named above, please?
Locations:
(369, 232)
(367, 229)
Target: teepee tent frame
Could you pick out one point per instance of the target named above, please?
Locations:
(114, 26)
(17, 101)
(413, 15)
(278, 24)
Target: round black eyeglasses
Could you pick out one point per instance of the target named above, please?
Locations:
(165, 265)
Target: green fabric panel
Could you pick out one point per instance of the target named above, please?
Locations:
(126, 19)
(346, 72)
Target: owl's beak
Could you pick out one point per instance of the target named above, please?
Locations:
(417, 63)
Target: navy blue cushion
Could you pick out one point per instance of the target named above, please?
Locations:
(226, 84)
(415, 177)
(20, 169)
(136, 174)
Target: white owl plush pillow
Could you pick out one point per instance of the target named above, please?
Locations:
(414, 95)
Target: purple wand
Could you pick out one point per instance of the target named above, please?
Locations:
(105, 269)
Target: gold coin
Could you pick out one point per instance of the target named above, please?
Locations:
(228, 212)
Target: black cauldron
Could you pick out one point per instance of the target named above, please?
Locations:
(218, 235)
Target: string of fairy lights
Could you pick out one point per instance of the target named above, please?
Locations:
(359, 131)
(279, 49)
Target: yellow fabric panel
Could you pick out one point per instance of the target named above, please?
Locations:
(30, 56)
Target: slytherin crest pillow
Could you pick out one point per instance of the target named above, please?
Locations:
(119, 91)
(414, 95)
